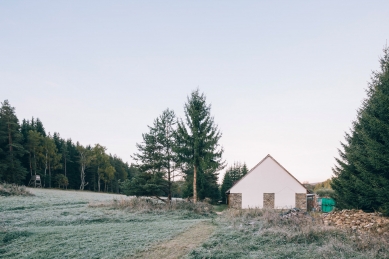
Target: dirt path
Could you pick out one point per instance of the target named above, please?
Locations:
(182, 244)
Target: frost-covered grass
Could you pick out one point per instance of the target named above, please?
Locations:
(60, 224)
(264, 234)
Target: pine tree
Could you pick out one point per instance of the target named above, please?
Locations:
(156, 155)
(226, 185)
(11, 148)
(361, 174)
(197, 145)
(233, 174)
(244, 169)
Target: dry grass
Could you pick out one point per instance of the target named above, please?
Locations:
(146, 205)
(258, 233)
(13, 190)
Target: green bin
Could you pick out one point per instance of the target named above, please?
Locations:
(327, 204)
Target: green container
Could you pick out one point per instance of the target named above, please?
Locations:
(327, 204)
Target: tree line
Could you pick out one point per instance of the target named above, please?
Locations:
(26, 150)
(177, 157)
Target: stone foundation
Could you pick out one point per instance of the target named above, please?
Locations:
(235, 200)
(301, 201)
(268, 200)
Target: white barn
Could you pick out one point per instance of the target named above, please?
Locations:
(268, 185)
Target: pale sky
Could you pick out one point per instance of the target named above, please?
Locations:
(284, 77)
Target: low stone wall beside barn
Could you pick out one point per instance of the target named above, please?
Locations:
(235, 200)
(301, 201)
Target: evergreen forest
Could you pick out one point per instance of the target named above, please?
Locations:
(26, 149)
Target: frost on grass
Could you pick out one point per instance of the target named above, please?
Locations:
(60, 224)
(13, 190)
(264, 234)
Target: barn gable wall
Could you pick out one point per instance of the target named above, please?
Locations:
(268, 177)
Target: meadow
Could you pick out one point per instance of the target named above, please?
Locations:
(72, 224)
(62, 224)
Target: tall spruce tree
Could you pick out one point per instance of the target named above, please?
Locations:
(11, 148)
(197, 146)
(362, 171)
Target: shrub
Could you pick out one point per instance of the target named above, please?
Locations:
(61, 180)
(13, 190)
(143, 204)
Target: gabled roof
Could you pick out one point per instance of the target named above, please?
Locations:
(268, 156)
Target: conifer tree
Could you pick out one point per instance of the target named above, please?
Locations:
(197, 145)
(226, 184)
(233, 174)
(11, 148)
(156, 155)
(361, 174)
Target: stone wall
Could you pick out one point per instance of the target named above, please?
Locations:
(301, 201)
(268, 200)
(235, 200)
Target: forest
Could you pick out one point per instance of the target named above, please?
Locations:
(176, 158)
(26, 149)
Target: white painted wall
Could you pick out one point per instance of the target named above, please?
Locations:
(268, 177)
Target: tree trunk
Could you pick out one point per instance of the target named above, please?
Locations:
(49, 174)
(98, 180)
(169, 196)
(44, 182)
(29, 156)
(194, 185)
(34, 161)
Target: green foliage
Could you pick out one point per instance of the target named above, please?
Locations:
(325, 192)
(61, 180)
(233, 174)
(324, 185)
(361, 174)
(11, 148)
(155, 154)
(197, 147)
(145, 184)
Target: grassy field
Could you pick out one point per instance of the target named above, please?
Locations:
(60, 224)
(70, 224)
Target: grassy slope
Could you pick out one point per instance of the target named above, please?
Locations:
(59, 224)
(267, 236)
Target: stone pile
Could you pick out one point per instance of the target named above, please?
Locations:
(358, 220)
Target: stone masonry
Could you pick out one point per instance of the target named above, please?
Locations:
(301, 201)
(268, 200)
(235, 200)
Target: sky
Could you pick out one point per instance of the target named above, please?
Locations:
(284, 78)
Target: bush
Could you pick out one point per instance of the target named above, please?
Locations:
(13, 190)
(325, 192)
(143, 204)
(61, 180)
